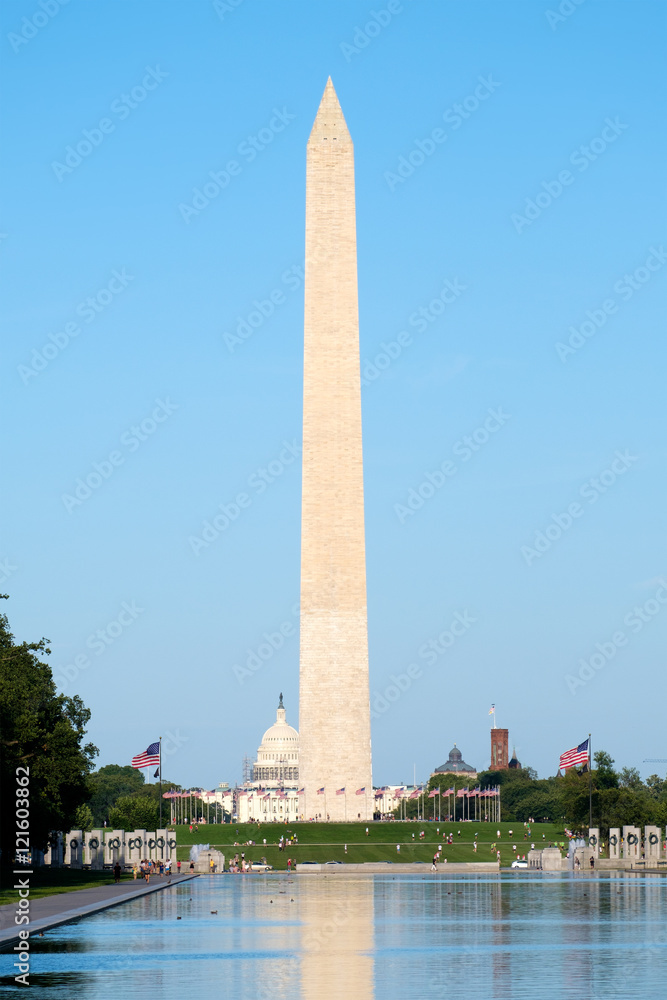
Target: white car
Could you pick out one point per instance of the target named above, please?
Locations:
(519, 864)
(256, 866)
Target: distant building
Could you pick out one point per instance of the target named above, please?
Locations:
(273, 793)
(514, 763)
(455, 764)
(499, 749)
(278, 753)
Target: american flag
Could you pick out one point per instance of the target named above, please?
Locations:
(360, 791)
(149, 758)
(462, 792)
(340, 791)
(320, 791)
(432, 795)
(571, 758)
(417, 792)
(302, 791)
(450, 791)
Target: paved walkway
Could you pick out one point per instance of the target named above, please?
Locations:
(62, 907)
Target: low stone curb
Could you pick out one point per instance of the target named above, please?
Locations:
(9, 932)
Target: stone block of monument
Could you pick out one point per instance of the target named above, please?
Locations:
(334, 701)
(74, 842)
(54, 854)
(161, 849)
(534, 859)
(615, 843)
(652, 842)
(631, 843)
(94, 850)
(594, 840)
(204, 858)
(113, 847)
(552, 860)
(136, 846)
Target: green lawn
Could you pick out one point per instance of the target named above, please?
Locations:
(49, 881)
(326, 841)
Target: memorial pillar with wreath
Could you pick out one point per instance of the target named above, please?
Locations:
(652, 844)
(615, 844)
(161, 846)
(74, 848)
(94, 850)
(631, 843)
(136, 847)
(594, 840)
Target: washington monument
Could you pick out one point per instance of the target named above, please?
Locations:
(334, 704)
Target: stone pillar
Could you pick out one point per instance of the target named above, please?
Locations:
(53, 856)
(631, 843)
(136, 846)
(114, 849)
(614, 843)
(94, 850)
(170, 849)
(652, 843)
(594, 840)
(74, 842)
(161, 846)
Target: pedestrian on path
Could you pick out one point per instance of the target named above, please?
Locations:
(116, 872)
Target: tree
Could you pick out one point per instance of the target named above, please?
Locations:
(108, 784)
(629, 777)
(83, 819)
(657, 786)
(604, 774)
(42, 733)
(134, 812)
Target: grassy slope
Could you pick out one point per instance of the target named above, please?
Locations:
(326, 841)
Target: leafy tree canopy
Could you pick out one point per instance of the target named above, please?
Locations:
(43, 731)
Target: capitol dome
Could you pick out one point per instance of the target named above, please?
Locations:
(278, 753)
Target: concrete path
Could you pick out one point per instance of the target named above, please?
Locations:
(62, 907)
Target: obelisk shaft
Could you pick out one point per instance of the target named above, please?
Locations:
(334, 707)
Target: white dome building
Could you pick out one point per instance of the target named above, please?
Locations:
(278, 753)
(273, 793)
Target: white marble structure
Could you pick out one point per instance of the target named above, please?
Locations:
(273, 794)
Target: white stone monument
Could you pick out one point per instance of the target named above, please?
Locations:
(614, 844)
(74, 842)
(94, 850)
(631, 843)
(652, 843)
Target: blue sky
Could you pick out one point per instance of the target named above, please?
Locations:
(513, 260)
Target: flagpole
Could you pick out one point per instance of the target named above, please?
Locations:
(160, 775)
(590, 785)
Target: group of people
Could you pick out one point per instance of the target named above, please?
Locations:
(147, 868)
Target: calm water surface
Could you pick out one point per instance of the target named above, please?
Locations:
(362, 937)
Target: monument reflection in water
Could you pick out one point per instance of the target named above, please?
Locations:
(337, 938)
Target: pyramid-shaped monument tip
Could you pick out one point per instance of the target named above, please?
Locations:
(329, 125)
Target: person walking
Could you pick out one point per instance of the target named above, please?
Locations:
(178, 867)
(116, 872)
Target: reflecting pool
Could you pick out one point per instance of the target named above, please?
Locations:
(329, 937)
